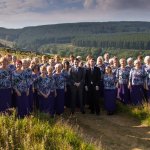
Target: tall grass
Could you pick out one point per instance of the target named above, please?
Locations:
(142, 113)
(38, 132)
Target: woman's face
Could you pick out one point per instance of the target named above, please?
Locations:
(138, 64)
(58, 69)
(107, 70)
(4, 63)
(100, 61)
(123, 62)
(25, 65)
(18, 65)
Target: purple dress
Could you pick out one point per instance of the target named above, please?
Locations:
(5, 90)
(122, 76)
(19, 82)
(110, 92)
(137, 80)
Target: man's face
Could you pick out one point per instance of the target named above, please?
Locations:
(76, 62)
(92, 63)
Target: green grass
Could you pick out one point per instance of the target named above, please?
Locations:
(142, 113)
(39, 132)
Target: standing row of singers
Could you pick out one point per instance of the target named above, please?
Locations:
(53, 84)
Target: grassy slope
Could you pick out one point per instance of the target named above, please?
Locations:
(39, 133)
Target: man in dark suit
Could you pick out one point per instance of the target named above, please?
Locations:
(77, 75)
(92, 81)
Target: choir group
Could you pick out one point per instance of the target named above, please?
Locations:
(50, 85)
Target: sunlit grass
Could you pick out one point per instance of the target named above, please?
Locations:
(142, 113)
(39, 132)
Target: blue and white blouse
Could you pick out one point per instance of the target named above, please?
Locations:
(59, 81)
(19, 82)
(122, 75)
(5, 79)
(27, 73)
(147, 69)
(137, 76)
(52, 83)
(109, 81)
(11, 68)
(43, 85)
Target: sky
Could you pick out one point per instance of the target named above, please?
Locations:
(23, 13)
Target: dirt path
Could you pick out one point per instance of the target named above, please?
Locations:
(115, 132)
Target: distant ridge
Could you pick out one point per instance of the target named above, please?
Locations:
(34, 37)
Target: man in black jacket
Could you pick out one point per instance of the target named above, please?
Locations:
(77, 75)
(92, 81)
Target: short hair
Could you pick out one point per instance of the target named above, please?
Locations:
(136, 61)
(99, 57)
(140, 57)
(43, 67)
(146, 59)
(3, 59)
(122, 60)
(34, 67)
(49, 67)
(19, 62)
(58, 65)
(129, 59)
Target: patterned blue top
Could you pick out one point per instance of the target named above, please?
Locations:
(109, 82)
(59, 81)
(137, 77)
(106, 64)
(43, 84)
(52, 83)
(5, 79)
(66, 75)
(28, 75)
(19, 82)
(147, 69)
(11, 67)
(129, 67)
(122, 75)
(114, 70)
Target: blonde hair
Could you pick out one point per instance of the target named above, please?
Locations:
(146, 59)
(99, 57)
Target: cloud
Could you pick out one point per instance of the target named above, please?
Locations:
(20, 13)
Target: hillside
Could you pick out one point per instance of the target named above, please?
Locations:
(35, 37)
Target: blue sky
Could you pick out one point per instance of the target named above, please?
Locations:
(22, 13)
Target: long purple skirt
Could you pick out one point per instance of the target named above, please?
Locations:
(5, 99)
(110, 99)
(124, 93)
(136, 94)
(44, 104)
(31, 99)
(22, 105)
(59, 101)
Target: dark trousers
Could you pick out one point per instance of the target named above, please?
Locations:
(94, 99)
(77, 92)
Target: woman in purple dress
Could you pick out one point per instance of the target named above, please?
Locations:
(147, 69)
(5, 85)
(27, 73)
(21, 90)
(110, 91)
(60, 89)
(42, 84)
(52, 90)
(136, 83)
(122, 76)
